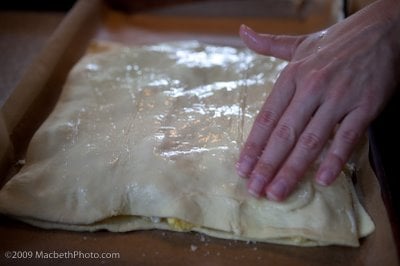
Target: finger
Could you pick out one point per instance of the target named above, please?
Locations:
(281, 142)
(280, 46)
(308, 147)
(264, 123)
(345, 140)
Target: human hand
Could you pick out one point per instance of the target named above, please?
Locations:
(336, 82)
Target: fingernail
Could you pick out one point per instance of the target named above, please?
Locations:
(325, 178)
(244, 166)
(277, 191)
(255, 186)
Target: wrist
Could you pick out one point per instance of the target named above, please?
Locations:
(390, 9)
(387, 14)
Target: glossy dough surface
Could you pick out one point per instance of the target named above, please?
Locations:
(142, 134)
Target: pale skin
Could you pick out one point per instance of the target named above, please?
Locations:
(335, 84)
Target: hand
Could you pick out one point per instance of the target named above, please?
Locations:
(336, 82)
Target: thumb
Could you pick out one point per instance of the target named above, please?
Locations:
(280, 46)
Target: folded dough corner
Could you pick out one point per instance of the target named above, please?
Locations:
(146, 137)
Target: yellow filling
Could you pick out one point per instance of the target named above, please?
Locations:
(179, 224)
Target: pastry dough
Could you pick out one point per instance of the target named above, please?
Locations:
(147, 137)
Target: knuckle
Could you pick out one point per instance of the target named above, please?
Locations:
(285, 132)
(350, 136)
(368, 111)
(310, 141)
(315, 81)
(336, 96)
(266, 118)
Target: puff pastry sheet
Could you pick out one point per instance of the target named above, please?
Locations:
(145, 133)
